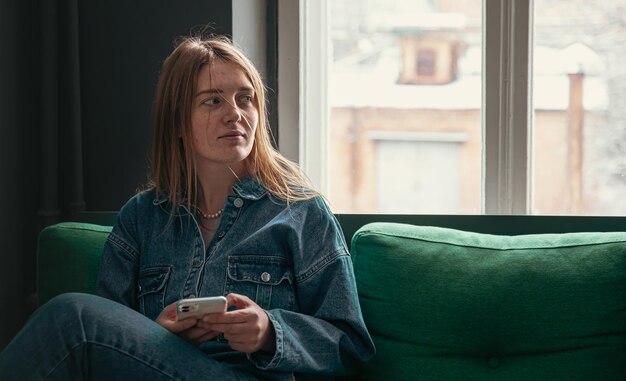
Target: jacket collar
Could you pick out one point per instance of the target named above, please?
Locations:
(249, 188)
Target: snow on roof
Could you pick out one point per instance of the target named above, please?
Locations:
(376, 85)
(408, 23)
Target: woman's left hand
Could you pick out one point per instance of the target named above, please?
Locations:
(187, 329)
(248, 328)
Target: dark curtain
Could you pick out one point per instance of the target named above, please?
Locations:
(76, 85)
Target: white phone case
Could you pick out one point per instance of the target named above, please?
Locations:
(198, 307)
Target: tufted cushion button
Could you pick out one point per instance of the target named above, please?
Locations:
(493, 362)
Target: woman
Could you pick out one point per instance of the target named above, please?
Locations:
(226, 215)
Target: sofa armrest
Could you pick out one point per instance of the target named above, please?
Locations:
(68, 257)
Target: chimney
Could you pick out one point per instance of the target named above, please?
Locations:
(575, 140)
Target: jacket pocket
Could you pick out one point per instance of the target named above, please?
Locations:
(268, 280)
(151, 290)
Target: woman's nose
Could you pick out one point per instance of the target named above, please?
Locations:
(233, 113)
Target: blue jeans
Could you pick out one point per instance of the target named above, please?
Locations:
(81, 336)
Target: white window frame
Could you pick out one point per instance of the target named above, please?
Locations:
(506, 103)
(506, 106)
(303, 103)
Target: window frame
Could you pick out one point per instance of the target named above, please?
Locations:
(506, 116)
(506, 106)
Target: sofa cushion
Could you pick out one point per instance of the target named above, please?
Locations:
(445, 304)
(68, 257)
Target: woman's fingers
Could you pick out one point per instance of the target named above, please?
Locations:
(167, 319)
(197, 335)
(247, 329)
(188, 329)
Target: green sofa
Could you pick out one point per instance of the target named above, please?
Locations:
(452, 297)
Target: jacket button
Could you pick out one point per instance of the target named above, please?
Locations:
(265, 277)
(221, 234)
(238, 203)
(197, 262)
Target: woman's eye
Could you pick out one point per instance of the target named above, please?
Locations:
(246, 98)
(212, 101)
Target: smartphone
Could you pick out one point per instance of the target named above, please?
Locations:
(198, 307)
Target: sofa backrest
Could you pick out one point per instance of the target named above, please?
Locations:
(445, 304)
(69, 252)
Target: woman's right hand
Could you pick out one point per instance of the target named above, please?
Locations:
(186, 328)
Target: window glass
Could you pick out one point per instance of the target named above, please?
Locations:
(579, 88)
(405, 103)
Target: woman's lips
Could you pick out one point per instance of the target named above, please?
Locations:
(232, 135)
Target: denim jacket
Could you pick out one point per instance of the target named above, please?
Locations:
(292, 260)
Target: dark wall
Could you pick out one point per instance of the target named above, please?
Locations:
(123, 44)
(76, 86)
(8, 170)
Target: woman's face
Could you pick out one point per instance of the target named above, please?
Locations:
(224, 116)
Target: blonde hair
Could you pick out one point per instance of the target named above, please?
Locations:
(173, 165)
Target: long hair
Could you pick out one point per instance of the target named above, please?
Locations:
(173, 164)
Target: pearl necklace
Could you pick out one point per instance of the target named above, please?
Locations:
(209, 216)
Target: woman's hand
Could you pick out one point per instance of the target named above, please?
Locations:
(248, 328)
(188, 328)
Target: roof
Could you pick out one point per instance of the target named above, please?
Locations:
(375, 85)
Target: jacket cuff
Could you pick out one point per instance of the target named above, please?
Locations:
(263, 360)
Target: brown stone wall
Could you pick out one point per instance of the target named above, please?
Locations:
(352, 162)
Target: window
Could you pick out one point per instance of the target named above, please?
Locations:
(426, 62)
(398, 116)
(579, 88)
(431, 186)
